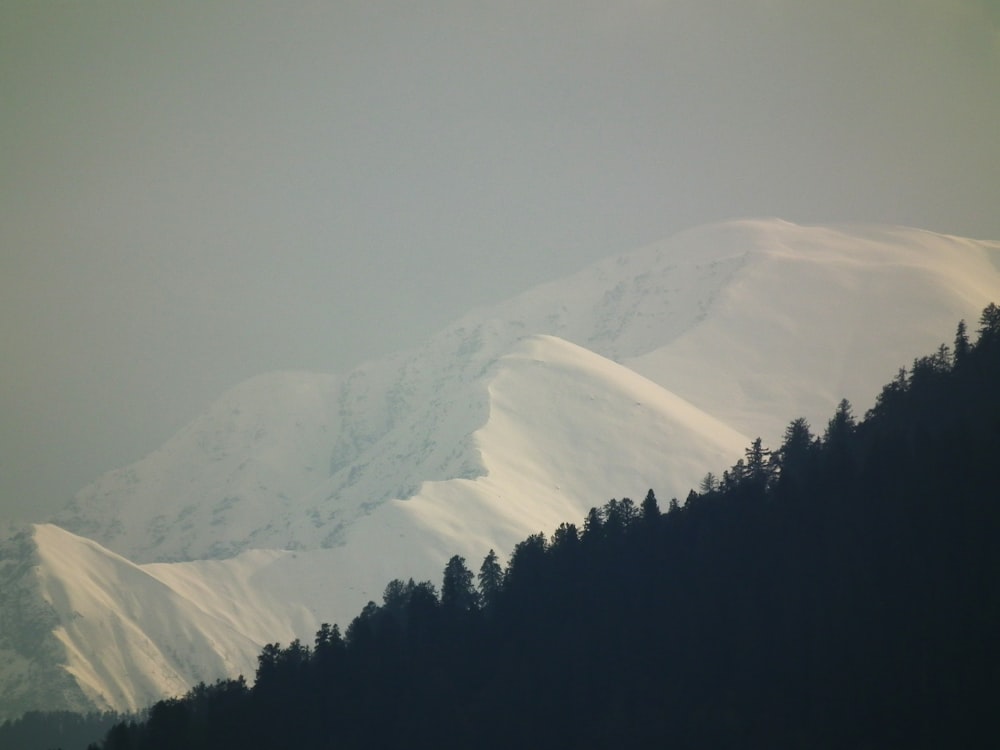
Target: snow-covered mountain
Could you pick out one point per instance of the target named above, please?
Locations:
(297, 496)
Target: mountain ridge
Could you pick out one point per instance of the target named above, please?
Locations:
(648, 309)
(297, 496)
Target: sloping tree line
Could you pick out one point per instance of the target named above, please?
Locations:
(840, 590)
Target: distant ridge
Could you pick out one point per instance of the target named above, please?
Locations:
(297, 496)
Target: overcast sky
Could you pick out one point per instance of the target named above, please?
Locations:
(192, 193)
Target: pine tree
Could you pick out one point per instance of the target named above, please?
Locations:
(566, 538)
(650, 509)
(457, 591)
(794, 457)
(709, 483)
(961, 343)
(329, 646)
(841, 424)
(989, 322)
(490, 580)
(837, 439)
(593, 526)
(758, 465)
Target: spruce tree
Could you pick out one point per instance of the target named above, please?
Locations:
(490, 580)
(457, 592)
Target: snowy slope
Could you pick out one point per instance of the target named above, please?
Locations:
(32, 660)
(224, 482)
(817, 314)
(297, 496)
(109, 634)
(755, 322)
(551, 447)
(154, 639)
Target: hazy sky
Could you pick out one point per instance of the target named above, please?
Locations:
(192, 193)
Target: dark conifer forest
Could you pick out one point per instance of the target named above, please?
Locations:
(43, 730)
(840, 590)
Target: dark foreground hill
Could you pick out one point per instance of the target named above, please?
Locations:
(840, 591)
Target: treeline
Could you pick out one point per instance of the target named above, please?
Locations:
(43, 730)
(841, 590)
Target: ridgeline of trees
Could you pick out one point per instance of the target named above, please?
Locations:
(42, 730)
(841, 590)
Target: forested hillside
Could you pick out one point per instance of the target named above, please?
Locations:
(840, 590)
(43, 730)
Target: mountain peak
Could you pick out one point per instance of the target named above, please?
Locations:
(292, 460)
(296, 496)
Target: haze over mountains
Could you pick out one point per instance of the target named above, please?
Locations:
(297, 495)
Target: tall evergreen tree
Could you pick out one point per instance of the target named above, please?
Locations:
(989, 323)
(593, 526)
(457, 590)
(758, 464)
(796, 453)
(490, 580)
(961, 343)
(841, 425)
(650, 508)
(838, 441)
(709, 483)
(566, 538)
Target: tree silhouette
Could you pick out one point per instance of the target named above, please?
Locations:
(490, 580)
(650, 508)
(457, 590)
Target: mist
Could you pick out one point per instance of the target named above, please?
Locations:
(193, 194)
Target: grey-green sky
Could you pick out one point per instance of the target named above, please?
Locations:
(192, 193)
